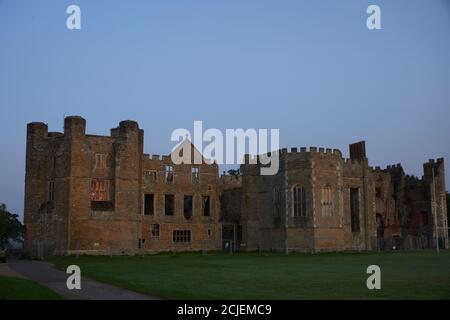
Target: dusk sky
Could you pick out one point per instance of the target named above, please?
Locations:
(310, 68)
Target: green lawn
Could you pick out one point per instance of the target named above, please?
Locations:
(404, 275)
(21, 289)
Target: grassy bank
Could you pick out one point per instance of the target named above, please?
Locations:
(12, 288)
(404, 275)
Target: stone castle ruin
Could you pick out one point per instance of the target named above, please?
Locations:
(89, 194)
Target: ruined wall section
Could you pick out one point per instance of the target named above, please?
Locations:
(298, 174)
(272, 205)
(253, 186)
(231, 196)
(418, 221)
(109, 226)
(205, 230)
(357, 175)
(327, 181)
(46, 192)
(434, 181)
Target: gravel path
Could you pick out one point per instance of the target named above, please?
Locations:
(45, 274)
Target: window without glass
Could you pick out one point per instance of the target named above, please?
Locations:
(195, 172)
(424, 215)
(99, 190)
(51, 191)
(379, 192)
(100, 161)
(155, 231)
(354, 209)
(168, 174)
(299, 201)
(149, 204)
(180, 236)
(169, 204)
(327, 201)
(239, 233)
(206, 206)
(187, 207)
(150, 175)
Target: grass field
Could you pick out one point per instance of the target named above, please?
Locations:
(404, 275)
(21, 289)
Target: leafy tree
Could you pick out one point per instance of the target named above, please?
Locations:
(10, 226)
(448, 209)
(234, 172)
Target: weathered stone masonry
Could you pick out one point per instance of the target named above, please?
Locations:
(319, 201)
(87, 194)
(92, 194)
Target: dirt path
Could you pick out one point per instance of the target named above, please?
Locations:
(6, 271)
(45, 274)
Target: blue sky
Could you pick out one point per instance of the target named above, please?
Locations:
(310, 68)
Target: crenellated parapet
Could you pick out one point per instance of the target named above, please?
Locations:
(295, 152)
(74, 126)
(434, 172)
(434, 164)
(36, 132)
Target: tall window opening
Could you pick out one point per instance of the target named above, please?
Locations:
(100, 161)
(354, 209)
(149, 204)
(169, 204)
(155, 231)
(299, 201)
(327, 201)
(169, 174)
(206, 206)
(51, 191)
(187, 207)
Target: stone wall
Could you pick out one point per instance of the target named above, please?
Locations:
(86, 194)
(63, 211)
(389, 204)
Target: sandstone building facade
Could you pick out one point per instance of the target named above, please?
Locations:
(87, 194)
(102, 195)
(319, 201)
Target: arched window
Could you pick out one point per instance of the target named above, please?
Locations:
(299, 201)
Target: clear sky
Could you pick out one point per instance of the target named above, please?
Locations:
(310, 68)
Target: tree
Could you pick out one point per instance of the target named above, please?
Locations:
(10, 226)
(234, 172)
(448, 209)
